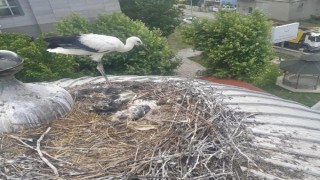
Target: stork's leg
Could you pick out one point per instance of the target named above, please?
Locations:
(101, 70)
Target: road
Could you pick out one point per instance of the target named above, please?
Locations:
(287, 51)
(189, 68)
(196, 13)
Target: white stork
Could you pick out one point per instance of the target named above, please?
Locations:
(93, 45)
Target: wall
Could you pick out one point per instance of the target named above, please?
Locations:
(283, 10)
(244, 6)
(304, 9)
(296, 11)
(47, 12)
(43, 14)
(278, 10)
(233, 2)
(17, 23)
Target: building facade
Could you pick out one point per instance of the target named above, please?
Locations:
(283, 10)
(219, 2)
(34, 17)
(229, 2)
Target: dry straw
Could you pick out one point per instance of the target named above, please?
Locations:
(191, 135)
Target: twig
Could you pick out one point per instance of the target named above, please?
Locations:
(243, 154)
(4, 175)
(198, 138)
(55, 170)
(45, 153)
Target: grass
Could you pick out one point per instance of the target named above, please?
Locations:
(200, 59)
(308, 99)
(285, 56)
(311, 22)
(268, 85)
(176, 42)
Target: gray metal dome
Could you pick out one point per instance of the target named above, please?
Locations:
(27, 105)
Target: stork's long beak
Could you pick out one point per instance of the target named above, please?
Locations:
(143, 47)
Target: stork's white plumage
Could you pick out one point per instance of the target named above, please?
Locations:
(94, 45)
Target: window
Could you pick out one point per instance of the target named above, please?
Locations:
(10, 8)
(314, 38)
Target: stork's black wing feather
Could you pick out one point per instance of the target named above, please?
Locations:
(67, 42)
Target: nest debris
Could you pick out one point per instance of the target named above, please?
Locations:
(190, 135)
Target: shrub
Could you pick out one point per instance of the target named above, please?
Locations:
(158, 61)
(236, 46)
(156, 14)
(39, 65)
(268, 76)
(73, 24)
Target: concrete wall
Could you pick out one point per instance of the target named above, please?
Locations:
(278, 10)
(32, 30)
(298, 11)
(304, 9)
(233, 2)
(283, 10)
(244, 6)
(18, 23)
(43, 14)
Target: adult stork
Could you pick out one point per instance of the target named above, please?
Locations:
(93, 45)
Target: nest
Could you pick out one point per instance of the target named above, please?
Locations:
(185, 134)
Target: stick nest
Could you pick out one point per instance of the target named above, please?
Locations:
(190, 134)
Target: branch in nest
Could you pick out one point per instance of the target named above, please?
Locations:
(54, 169)
(41, 153)
(45, 153)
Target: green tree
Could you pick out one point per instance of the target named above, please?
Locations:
(160, 14)
(73, 24)
(160, 60)
(39, 65)
(236, 46)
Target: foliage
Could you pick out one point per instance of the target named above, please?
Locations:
(159, 60)
(160, 14)
(73, 24)
(200, 60)
(176, 41)
(268, 76)
(236, 46)
(39, 65)
(308, 99)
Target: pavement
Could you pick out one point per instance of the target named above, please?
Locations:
(189, 68)
(196, 13)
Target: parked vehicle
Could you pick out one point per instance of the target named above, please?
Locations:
(188, 20)
(223, 7)
(308, 40)
(228, 8)
(214, 9)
